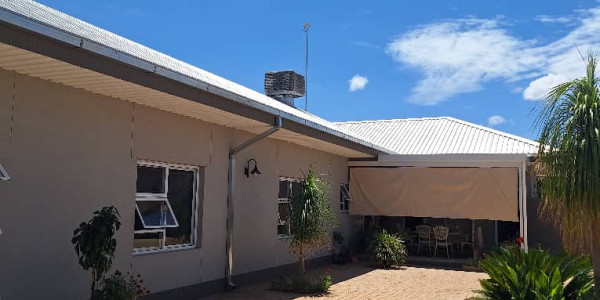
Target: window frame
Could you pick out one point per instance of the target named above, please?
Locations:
(3, 174)
(155, 199)
(163, 197)
(285, 201)
(345, 201)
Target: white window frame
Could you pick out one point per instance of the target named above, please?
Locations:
(157, 199)
(284, 201)
(344, 192)
(3, 174)
(163, 197)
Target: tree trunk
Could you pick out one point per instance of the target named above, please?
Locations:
(302, 260)
(595, 254)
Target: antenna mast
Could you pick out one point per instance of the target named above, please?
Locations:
(306, 27)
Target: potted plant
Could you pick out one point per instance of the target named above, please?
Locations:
(339, 251)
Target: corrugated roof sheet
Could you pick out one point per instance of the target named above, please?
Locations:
(443, 135)
(58, 25)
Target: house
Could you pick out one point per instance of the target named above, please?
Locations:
(90, 119)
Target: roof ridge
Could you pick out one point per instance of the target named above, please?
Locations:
(494, 131)
(391, 120)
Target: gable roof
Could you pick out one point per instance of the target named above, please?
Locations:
(76, 37)
(442, 135)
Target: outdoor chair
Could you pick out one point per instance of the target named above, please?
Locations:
(466, 242)
(424, 236)
(441, 239)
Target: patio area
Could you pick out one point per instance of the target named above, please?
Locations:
(356, 281)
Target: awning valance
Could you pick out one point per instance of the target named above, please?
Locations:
(470, 193)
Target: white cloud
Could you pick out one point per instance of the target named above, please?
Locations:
(550, 19)
(495, 120)
(462, 55)
(357, 83)
(538, 88)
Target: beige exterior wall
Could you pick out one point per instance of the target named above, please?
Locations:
(71, 152)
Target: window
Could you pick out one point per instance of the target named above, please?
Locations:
(344, 198)
(288, 189)
(3, 174)
(165, 207)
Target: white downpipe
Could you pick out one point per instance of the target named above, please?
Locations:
(230, 197)
(523, 203)
(524, 182)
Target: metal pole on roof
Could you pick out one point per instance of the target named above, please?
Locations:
(306, 27)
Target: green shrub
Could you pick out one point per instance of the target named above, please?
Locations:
(95, 242)
(386, 250)
(516, 274)
(303, 284)
(120, 286)
(326, 281)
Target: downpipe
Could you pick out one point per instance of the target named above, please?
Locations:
(230, 197)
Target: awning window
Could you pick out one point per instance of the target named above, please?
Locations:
(155, 212)
(3, 174)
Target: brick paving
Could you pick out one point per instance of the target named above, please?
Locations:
(354, 281)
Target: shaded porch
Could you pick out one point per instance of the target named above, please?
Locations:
(466, 204)
(465, 236)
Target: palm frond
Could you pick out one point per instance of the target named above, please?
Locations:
(570, 156)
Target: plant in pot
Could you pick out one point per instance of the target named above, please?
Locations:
(339, 251)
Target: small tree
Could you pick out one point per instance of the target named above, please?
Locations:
(95, 243)
(312, 218)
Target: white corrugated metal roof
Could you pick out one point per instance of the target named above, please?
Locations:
(57, 25)
(443, 135)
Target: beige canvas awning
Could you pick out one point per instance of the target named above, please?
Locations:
(470, 193)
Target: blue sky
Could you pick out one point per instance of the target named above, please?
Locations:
(482, 61)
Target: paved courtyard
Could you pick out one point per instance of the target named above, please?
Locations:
(355, 281)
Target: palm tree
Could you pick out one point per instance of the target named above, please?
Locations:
(569, 163)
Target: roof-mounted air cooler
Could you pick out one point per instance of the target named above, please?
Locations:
(284, 86)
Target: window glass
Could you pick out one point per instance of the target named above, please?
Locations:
(288, 189)
(283, 188)
(3, 174)
(344, 198)
(150, 180)
(181, 198)
(165, 220)
(156, 214)
(295, 189)
(147, 240)
(283, 230)
(285, 212)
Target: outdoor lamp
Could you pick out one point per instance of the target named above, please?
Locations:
(254, 171)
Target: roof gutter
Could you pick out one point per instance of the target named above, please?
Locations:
(230, 196)
(73, 41)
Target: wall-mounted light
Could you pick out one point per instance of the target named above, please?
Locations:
(254, 171)
(3, 174)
